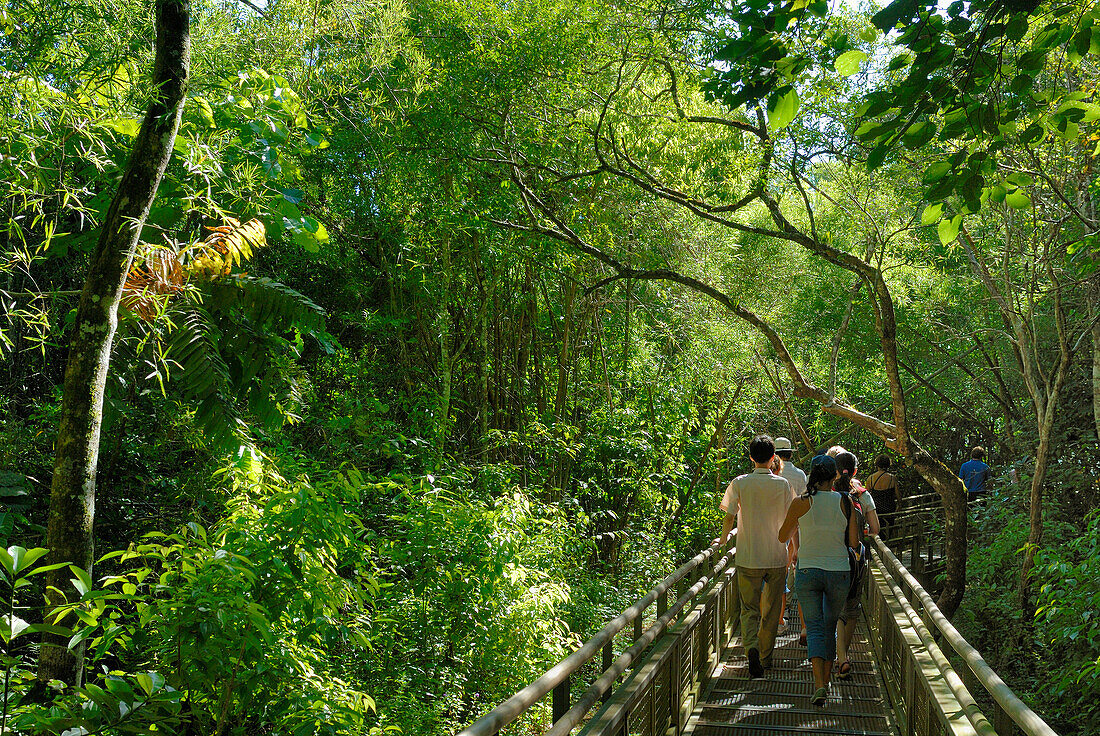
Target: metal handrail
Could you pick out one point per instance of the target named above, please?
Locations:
(576, 714)
(512, 708)
(1028, 720)
(970, 707)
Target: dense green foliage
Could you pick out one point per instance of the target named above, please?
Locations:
(382, 465)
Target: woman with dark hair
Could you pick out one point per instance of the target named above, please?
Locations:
(883, 486)
(826, 529)
(847, 466)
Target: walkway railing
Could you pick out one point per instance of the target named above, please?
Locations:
(694, 624)
(927, 694)
(669, 662)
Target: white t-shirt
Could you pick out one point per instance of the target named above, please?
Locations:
(866, 501)
(795, 477)
(761, 500)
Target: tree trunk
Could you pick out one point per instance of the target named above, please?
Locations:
(1094, 313)
(953, 493)
(483, 377)
(1035, 530)
(72, 491)
(443, 404)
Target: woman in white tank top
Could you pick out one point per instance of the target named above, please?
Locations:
(826, 529)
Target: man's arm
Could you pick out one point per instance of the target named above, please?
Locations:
(727, 527)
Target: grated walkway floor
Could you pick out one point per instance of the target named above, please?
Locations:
(734, 705)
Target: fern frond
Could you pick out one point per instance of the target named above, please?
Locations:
(152, 281)
(204, 378)
(227, 246)
(267, 304)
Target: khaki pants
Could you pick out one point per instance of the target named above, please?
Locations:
(760, 618)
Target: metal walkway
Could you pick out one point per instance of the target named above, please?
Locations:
(731, 704)
(672, 665)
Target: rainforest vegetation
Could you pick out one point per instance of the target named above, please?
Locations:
(360, 358)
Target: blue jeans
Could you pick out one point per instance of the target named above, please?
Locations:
(822, 594)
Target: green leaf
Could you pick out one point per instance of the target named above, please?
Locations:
(29, 557)
(205, 112)
(50, 629)
(126, 126)
(82, 582)
(948, 230)
(918, 135)
(848, 63)
(1018, 200)
(1020, 179)
(936, 171)
(781, 110)
(17, 554)
(12, 626)
(1017, 27)
(82, 635)
(931, 214)
(896, 11)
(7, 562)
(307, 232)
(150, 682)
(877, 156)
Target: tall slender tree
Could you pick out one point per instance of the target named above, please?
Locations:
(72, 490)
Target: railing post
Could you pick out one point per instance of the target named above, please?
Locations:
(1002, 722)
(638, 625)
(561, 699)
(662, 604)
(608, 654)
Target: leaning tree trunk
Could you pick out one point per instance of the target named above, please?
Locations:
(72, 491)
(953, 494)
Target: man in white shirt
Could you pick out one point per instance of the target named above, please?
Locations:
(758, 502)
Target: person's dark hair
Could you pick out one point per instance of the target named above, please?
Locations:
(882, 462)
(846, 464)
(978, 452)
(822, 472)
(785, 454)
(762, 448)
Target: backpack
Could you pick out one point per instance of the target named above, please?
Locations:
(857, 558)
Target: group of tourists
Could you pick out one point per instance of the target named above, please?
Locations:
(804, 534)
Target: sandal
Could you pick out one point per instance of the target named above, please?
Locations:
(844, 672)
(820, 696)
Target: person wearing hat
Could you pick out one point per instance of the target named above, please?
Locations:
(794, 476)
(784, 450)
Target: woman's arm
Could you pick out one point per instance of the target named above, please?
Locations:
(873, 525)
(854, 532)
(798, 507)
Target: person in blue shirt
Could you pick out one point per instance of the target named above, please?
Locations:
(974, 473)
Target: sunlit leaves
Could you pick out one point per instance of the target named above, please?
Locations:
(1018, 200)
(849, 62)
(931, 214)
(782, 108)
(948, 229)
